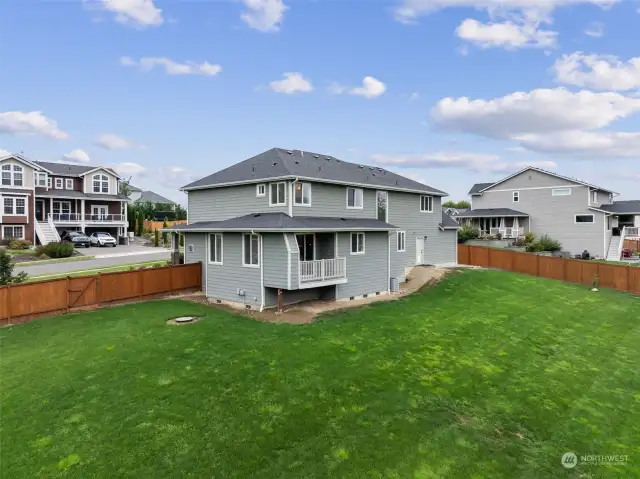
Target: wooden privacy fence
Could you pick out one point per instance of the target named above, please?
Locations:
(24, 302)
(158, 225)
(623, 278)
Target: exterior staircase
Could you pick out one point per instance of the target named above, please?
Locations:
(613, 254)
(46, 232)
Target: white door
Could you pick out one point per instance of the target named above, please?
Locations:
(419, 250)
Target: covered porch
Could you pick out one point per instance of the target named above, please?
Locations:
(318, 260)
(502, 222)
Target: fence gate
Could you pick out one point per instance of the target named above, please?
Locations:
(80, 289)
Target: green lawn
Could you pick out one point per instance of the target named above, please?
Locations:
(90, 272)
(489, 374)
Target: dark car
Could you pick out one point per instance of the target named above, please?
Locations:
(78, 239)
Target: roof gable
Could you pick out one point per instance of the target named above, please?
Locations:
(278, 163)
(151, 197)
(23, 160)
(544, 172)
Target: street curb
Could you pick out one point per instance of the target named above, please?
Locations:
(138, 253)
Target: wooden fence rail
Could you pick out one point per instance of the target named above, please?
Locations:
(158, 225)
(24, 302)
(623, 278)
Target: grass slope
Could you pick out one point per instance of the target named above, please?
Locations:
(489, 374)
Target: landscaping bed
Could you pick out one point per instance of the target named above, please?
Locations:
(486, 374)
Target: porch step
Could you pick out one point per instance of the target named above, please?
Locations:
(612, 253)
(46, 233)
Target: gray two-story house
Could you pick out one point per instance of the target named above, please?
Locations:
(581, 216)
(298, 225)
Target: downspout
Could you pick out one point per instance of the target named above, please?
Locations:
(261, 271)
(389, 261)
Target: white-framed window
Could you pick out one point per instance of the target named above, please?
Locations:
(584, 219)
(99, 212)
(49, 180)
(12, 175)
(13, 232)
(261, 189)
(62, 207)
(15, 206)
(516, 196)
(426, 204)
(302, 194)
(41, 179)
(215, 248)
(401, 237)
(277, 193)
(357, 243)
(58, 183)
(68, 183)
(594, 196)
(354, 198)
(100, 183)
(561, 191)
(250, 250)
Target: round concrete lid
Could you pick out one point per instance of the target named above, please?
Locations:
(184, 319)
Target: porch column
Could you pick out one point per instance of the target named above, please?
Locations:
(82, 210)
(50, 208)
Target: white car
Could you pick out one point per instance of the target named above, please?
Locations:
(102, 239)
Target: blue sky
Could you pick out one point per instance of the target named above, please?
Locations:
(97, 82)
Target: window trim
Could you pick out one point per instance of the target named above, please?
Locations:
(426, 210)
(14, 206)
(211, 260)
(355, 188)
(245, 265)
(554, 192)
(364, 243)
(594, 196)
(58, 184)
(60, 203)
(68, 181)
(102, 178)
(515, 197)
(575, 219)
(284, 201)
(264, 190)
(13, 170)
(13, 226)
(404, 241)
(303, 183)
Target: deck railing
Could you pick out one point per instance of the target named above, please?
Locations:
(322, 270)
(507, 232)
(104, 218)
(66, 217)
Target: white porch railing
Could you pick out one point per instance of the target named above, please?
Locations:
(66, 217)
(632, 231)
(104, 218)
(507, 232)
(322, 270)
(54, 231)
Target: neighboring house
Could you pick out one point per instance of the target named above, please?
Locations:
(134, 193)
(581, 216)
(455, 212)
(310, 226)
(41, 199)
(154, 198)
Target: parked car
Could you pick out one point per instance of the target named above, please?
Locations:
(103, 239)
(77, 238)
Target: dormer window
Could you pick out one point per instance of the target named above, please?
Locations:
(12, 175)
(100, 183)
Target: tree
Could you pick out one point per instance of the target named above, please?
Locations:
(131, 217)
(156, 238)
(140, 223)
(181, 213)
(459, 204)
(125, 187)
(165, 235)
(6, 270)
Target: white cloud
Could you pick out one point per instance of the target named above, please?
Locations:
(598, 72)
(142, 13)
(77, 156)
(595, 30)
(109, 141)
(410, 10)
(507, 35)
(536, 112)
(292, 83)
(171, 67)
(129, 169)
(30, 123)
(587, 144)
(336, 88)
(264, 15)
(371, 88)
(4, 152)
(475, 162)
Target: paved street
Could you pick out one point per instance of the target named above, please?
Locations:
(54, 268)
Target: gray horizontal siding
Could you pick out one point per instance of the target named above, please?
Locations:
(275, 260)
(331, 200)
(219, 204)
(441, 248)
(531, 179)
(366, 273)
(295, 256)
(223, 281)
(554, 216)
(199, 255)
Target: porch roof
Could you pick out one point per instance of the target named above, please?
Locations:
(631, 207)
(73, 194)
(491, 213)
(281, 222)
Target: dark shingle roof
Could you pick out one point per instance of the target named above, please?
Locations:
(67, 169)
(489, 212)
(478, 187)
(279, 163)
(623, 207)
(77, 194)
(281, 221)
(152, 197)
(448, 222)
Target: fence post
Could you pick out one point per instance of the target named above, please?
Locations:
(628, 285)
(141, 273)
(98, 289)
(537, 265)
(68, 293)
(170, 279)
(9, 303)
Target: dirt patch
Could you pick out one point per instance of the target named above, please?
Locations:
(305, 312)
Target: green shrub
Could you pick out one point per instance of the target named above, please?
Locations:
(156, 239)
(55, 249)
(6, 270)
(519, 242)
(468, 232)
(548, 244)
(165, 235)
(19, 244)
(182, 239)
(529, 238)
